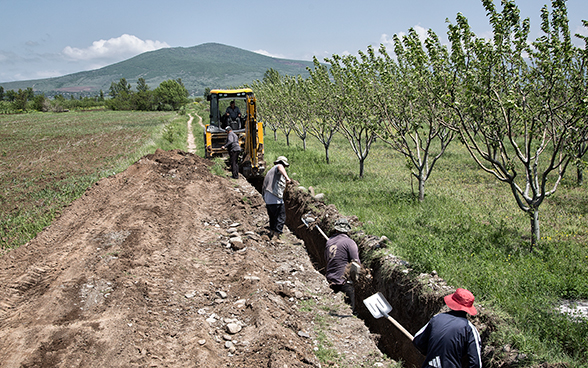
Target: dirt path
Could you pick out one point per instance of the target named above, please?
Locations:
(191, 142)
(200, 121)
(167, 265)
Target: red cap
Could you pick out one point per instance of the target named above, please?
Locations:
(461, 300)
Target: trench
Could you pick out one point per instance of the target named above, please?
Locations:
(412, 305)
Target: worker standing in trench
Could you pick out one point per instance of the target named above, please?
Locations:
(273, 188)
(339, 252)
(449, 337)
(232, 145)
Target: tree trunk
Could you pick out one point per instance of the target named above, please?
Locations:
(327, 152)
(580, 171)
(535, 233)
(275, 135)
(361, 168)
(421, 188)
(288, 140)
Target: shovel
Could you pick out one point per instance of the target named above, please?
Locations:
(306, 222)
(379, 307)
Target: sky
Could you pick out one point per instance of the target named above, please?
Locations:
(42, 39)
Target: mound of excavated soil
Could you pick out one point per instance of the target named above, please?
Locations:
(167, 265)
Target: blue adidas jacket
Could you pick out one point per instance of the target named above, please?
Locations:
(446, 339)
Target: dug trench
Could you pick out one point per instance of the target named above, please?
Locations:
(414, 298)
(168, 265)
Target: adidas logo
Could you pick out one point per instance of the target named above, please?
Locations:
(436, 363)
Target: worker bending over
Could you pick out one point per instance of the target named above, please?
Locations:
(339, 252)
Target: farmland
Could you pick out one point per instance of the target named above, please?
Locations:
(133, 269)
(467, 229)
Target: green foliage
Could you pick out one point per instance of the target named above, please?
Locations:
(121, 96)
(174, 134)
(7, 108)
(353, 81)
(171, 95)
(20, 99)
(324, 352)
(143, 99)
(469, 231)
(219, 167)
(523, 121)
(39, 102)
(120, 89)
(521, 110)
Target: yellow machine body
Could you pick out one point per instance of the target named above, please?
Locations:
(248, 129)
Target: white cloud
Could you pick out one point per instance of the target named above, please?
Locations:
(389, 43)
(422, 32)
(266, 53)
(115, 48)
(36, 65)
(583, 31)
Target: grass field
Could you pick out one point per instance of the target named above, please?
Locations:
(47, 160)
(468, 228)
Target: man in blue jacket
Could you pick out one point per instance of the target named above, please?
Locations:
(450, 337)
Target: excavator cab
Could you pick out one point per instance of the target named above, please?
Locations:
(248, 129)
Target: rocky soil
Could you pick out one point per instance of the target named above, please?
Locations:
(168, 265)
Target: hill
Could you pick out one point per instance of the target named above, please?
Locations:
(209, 65)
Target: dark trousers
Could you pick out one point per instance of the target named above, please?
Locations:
(234, 155)
(349, 293)
(277, 216)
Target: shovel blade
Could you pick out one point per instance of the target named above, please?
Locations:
(377, 305)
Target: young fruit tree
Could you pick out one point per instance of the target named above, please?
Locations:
(268, 95)
(521, 107)
(325, 117)
(353, 86)
(413, 116)
(295, 106)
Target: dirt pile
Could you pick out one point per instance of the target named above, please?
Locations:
(167, 265)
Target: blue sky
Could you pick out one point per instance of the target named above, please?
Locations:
(42, 39)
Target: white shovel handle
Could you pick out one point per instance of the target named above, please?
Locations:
(399, 326)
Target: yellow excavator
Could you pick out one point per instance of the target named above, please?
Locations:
(224, 105)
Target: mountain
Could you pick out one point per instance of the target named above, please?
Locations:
(209, 65)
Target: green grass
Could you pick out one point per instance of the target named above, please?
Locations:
(325, 352)
(470, 230)
(219, 166)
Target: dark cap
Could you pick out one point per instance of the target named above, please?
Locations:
(342, 225)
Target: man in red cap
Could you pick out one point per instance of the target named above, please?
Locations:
(449, 337)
